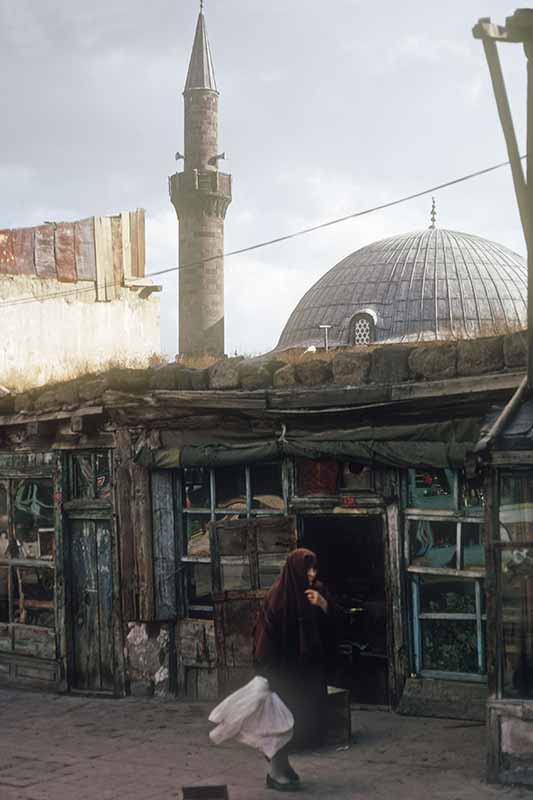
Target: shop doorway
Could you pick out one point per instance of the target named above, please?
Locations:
(351, 555)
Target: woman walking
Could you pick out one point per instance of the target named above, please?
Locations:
(293, 635)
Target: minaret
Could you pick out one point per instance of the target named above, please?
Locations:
(201, 196)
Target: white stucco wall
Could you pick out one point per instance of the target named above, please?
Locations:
(60, 338)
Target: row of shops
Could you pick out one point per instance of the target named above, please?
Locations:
(134, 553)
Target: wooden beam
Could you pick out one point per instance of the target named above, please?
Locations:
(105, 279)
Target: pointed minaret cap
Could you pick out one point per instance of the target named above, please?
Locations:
(201, 74)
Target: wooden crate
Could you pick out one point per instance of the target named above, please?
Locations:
(338, 717)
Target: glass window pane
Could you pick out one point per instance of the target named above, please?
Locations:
(33, 597)
(103, 477)
(230, 483)
(196, 488)
(433, 543)
(472, 539)
(197, 532)
(270, 566)
(34, 519)
(449, 646)
(317, 477)
(4, 594)
(267, 487)
(474, 495)
(83, 480)
(516, 507)
(357, 478)
(516, 586)
(447, 596)
(199, 584)
(235, 574)
(431, 488)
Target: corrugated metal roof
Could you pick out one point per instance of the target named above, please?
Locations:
(427, 285)
(201, 74)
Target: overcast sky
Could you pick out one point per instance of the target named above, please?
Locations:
(326, 108)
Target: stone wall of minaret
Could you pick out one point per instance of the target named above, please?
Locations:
(201, 196)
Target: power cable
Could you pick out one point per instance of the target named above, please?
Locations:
(270, 242)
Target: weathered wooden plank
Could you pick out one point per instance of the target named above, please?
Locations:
(196, 642)
(142, 527)
(45, 262)
(123, 495)
(134, 241)
(23, 245)
(140, 232)
(127, 267)
(398, 654)
(105, 606)
(103, 239)
(118, 269)
(84, 606)
(34, 641)
(85, 252)
(65, 252)
(164, 544)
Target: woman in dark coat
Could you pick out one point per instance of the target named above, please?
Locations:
(293, 635)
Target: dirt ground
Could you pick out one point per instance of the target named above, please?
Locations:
(74, 748)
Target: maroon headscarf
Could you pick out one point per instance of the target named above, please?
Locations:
(287, 627)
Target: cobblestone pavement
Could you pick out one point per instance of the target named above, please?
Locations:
(74, 748)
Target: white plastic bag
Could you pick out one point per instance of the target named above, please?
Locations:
(254, 716)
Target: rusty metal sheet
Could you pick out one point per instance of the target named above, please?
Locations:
(45, 262)
(65, 254)
(23, 243)
(7, 253)
(84, 248)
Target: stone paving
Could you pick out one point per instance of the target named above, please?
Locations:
(75, 748)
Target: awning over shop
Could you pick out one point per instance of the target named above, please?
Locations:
(437, 444)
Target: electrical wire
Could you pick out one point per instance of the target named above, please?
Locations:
(269, 242)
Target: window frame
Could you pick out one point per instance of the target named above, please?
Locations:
(214, 513)
(461, 514)
(362, 315)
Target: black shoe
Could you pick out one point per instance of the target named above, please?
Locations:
(272, 783)
(293, 775)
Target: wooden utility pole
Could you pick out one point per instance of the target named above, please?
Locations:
(518, 29)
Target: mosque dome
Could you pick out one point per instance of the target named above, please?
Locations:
(427, 285)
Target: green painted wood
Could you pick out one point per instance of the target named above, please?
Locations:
(85, 606)
(105, 606)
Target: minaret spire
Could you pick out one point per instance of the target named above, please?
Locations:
(201, 196)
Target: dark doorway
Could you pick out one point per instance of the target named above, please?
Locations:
(351, 557)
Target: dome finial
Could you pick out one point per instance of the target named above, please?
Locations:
(201, 6)
(433, 215)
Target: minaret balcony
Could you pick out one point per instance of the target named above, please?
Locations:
(212, 182)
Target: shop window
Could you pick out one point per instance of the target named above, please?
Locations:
(225, 493)
(432, 488)
(446, 568)
(27, 556)
(516, 507)
(90, 476)
(357, 478)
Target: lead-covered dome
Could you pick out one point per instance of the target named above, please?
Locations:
(431, 284)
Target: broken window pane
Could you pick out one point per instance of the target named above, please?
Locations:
(34, 519)
(433, 543)
(230, 483)
(431, 488)
(516, 507)
(267, 487)
(197, 532)
(199, 583)
(196, 488)
(449, 646)
(473, 545)
(516, 586)
(444, 596)
(33, 596)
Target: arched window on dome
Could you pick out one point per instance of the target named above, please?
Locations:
(362, 329)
